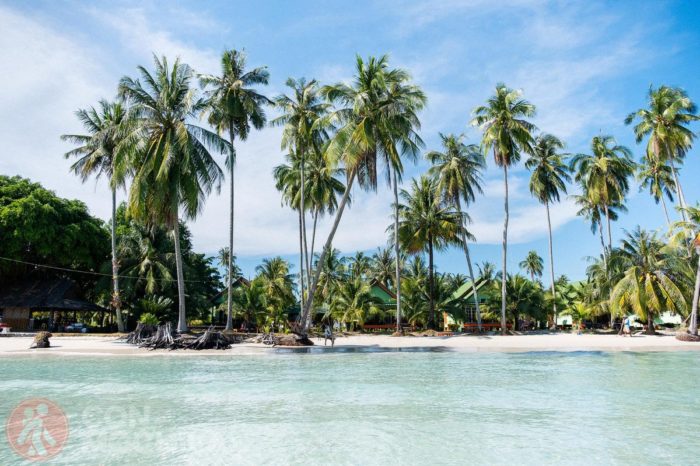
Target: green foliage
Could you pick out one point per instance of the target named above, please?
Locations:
(149, 319)
(38, 226)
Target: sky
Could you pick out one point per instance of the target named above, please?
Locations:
(585, 65)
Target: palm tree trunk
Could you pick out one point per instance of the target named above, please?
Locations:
(182, 316)
(650, 323)
(229, 265)
(301, 263)
(116, 299)
(469, 266)
(302, 208)
(679, 189)
(693, 324)
(306, 322)
(607, 217)
(551, 265)
(431, 285)
(397, 251)
(504, 274)
(663, 204)
(313, 238)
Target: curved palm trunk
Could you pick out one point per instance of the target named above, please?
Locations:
(693, 324)
(663, 204)
(679, 189)
(182, 316)
(504, 274)
(431, 285)
(551, 266)
(650, 323)
(306, 321)
(301, 263)
(313, 238)
(116, 299)
(469, 266)
(229, 265)
(397, 252)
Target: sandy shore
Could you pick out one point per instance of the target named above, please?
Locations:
(102, 345)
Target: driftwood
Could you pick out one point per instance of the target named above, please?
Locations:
(687, 337)
(41, 340)
(164, 337)
(140, 334)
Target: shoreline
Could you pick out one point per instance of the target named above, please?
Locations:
(560, 342)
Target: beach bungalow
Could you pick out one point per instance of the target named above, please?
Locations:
(464, 295)
(46, 303)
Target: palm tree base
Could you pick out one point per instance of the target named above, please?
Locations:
(688, 337)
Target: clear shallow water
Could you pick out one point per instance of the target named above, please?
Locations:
(368, 408)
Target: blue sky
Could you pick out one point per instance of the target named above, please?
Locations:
(584, 64)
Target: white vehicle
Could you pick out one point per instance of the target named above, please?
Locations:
(77, 327)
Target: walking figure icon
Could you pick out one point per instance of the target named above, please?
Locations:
(37, 429)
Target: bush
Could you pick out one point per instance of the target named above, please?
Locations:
(148, 319)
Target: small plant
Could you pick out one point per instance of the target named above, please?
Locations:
(148, 319)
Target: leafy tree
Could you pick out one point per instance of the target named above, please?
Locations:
(174, 171)
(381, 267)
(427, 224)
(278, 285)
(647, 287)
(604, 175)
(457, 171)
(693, 224)
(353, 302)
(665, 121)
(304, 135)
(39, 227)
(533, 265)
(507, 133)
(657, 177)
(233, 106)
(97, 155)
(378, 122)
(548, 180)
(523, 298)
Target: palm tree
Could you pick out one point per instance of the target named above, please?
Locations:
(358, 265)
(353, 302)
(533, 265)
(457, 171)
(277, 283)
(97, 155)
(657, 177)
(487, 271)
(223, 257)
(549, 177)
(605, 174)
(666, 121)
(426, 224)
(233, 106)
(507, 133)
(693, 224)
(382, 267)
(647, 288)
(304, 133)
(173, 168)
(250, 302)
(377, 113)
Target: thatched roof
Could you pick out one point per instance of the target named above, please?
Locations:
(46, 294)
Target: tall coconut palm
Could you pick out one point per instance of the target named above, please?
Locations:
(304, 133)
(693, 224)
(507, 133)
(548, 180)
(377, 117)
(107, 126)
(233, 107)
(457, 171)
(353, 302)
(657, 177)
(277, 282)
(173, 168)
(665, 121)
(605, 174)
(533, 264)
(427, 224)
(647, 288)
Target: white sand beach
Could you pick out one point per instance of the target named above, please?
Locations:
(109, 345)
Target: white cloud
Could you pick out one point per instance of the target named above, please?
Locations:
(46, 77)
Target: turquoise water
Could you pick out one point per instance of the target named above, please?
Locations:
(368, 408)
